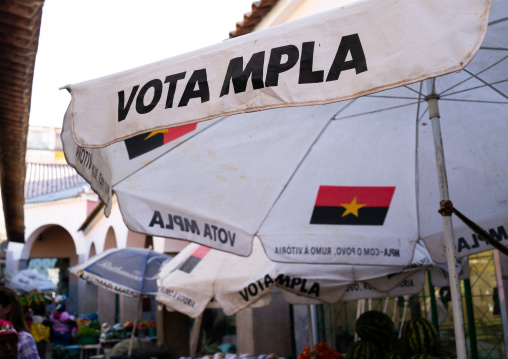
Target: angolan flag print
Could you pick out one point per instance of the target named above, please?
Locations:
(190, 263)
(343, 205)
(141, 144)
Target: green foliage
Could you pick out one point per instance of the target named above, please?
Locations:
(94, 324)
(85, 331)
(211, 349)
(114, 333)
(61, 352)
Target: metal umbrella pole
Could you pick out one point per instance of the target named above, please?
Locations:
(451, 252)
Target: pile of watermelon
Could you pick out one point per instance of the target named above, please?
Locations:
(378, 339)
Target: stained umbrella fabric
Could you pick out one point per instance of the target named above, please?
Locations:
(357, 48)
(349, 182)
(199, 275)
(128, 271)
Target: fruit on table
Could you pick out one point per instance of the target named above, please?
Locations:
(322, 351)
(420, 336)
(375, 326)
(363, 349)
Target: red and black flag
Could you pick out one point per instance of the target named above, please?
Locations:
(365, 206)
(190, 263)
(141, 144)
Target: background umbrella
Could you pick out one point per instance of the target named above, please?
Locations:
(128, 271)
(199, 276)
(27, 280)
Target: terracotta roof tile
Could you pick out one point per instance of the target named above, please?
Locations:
(44, 179)
(252, 18)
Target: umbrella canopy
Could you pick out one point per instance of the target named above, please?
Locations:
(27, 280)
(199, 274)
(128, 271)
(349, 182)
(358, 48)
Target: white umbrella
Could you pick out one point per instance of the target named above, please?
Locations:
(358, 48)
(199, 274)
(200, 277)
(272, 174)
(222, 182)
(28, 280)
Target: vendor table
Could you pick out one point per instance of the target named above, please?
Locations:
(86, 348)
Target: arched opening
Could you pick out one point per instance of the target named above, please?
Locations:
(110, 241)
(52, 253)
(92, 251)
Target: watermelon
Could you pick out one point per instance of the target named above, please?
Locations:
(363, 349)
(375, 326)
(420, 336)
(391, 346)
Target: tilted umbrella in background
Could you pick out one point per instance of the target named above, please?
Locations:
(351, 182)
(128, 271)
(200, 277)
(199, 274)
(27, 280)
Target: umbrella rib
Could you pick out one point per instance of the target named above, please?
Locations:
(474, 101)
(342, 109)
(498, 21)
(419, 93)
(309, 148)
(169, 150)
(376, 111)
(423, 114)
(486, 83)
(395, 97)
(473, 75)
(494, 48)
(476, 87)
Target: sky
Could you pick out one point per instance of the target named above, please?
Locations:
(82, 40)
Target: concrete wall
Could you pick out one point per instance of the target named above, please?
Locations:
(265, 330)
(106, 306)
(173, 330)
